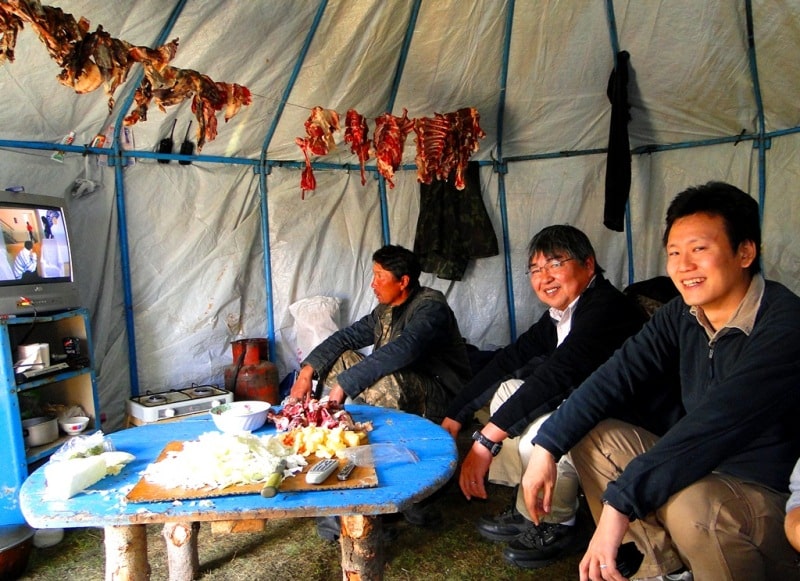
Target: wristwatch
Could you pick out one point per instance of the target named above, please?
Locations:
(493, 447)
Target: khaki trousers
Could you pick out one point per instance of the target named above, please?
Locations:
(719, 527)
(509, 465)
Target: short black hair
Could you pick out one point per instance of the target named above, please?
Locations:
(28, 244)
(400, 262)
(738, 210)
(560, 238)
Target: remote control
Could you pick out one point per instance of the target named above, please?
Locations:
(320, 471)
(346, 471)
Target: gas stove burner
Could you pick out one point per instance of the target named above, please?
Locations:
(156, 406)
(200, 391)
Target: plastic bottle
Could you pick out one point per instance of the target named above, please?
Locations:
(68, 140)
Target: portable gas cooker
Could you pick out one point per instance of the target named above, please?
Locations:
(162, 405)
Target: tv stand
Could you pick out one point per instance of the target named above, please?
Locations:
(70, 380)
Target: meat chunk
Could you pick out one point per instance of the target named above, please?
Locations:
(320, 128)
(445, 144)
(356, 134)
(388, 142)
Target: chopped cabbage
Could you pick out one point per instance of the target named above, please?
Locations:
(220, 460)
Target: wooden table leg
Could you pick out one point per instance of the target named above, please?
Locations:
(362, 548)
(182, 558)
(126, 553)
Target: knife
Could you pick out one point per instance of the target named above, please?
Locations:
(274, 480)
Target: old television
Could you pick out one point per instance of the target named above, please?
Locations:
(36, 267)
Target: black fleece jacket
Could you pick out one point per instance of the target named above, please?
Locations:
(602, 320)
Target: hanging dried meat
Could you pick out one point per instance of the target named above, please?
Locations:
(91, 59)
(10, 25)
(320, 127)
(432, 134)
(388, 142)
(167, 85)
(445, 143)
(355, 133)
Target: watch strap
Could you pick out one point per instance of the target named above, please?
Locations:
(493, 447)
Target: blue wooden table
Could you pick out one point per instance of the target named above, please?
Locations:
(400, 484)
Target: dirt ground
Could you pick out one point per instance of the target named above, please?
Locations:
(290, 549)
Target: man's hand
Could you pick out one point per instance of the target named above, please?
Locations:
(792, 526)
(453, 427)
(473, 471)
(302, 385)
(600, 560)
(337, 394)
(538, 483)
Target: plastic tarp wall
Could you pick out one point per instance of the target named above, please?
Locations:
(200, 274)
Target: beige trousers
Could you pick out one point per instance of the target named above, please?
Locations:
(509, 465)
(720, 527)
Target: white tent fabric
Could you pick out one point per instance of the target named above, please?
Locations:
(200, 273)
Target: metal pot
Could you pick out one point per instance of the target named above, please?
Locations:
(39, 431)
(16, 542)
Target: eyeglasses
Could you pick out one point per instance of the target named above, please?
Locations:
(550, 266)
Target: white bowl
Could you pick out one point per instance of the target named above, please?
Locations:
(240, 417)
(73, 425)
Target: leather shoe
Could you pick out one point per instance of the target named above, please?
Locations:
(423, 515)
(504, 527)
(543, 544)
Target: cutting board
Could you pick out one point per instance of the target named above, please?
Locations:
(144, 491)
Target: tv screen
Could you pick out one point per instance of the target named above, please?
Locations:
(36, 271)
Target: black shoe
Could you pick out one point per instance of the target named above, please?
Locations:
(541, 545)
(330, 529)
(504, 527)
(423, 515)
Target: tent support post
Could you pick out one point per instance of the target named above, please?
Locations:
(501, 168)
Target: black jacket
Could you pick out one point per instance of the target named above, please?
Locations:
(602, 320)
(424, 339)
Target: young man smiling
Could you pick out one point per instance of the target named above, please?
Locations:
(587, 319)
(709, 494)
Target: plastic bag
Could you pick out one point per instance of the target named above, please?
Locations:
(371, 455)
(83, 446)
(314, 321)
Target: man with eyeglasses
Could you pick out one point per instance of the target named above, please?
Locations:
(587, 320)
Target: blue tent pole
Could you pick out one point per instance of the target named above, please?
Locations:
(762, 142)
(119, 181)
(501, 168)
(398, 74)
(614, 37)
(264, 169)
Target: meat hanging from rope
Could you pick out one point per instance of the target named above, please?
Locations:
(320, 128)
(91, 59)
(445, 144)
(356, 134)
(388, 142)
